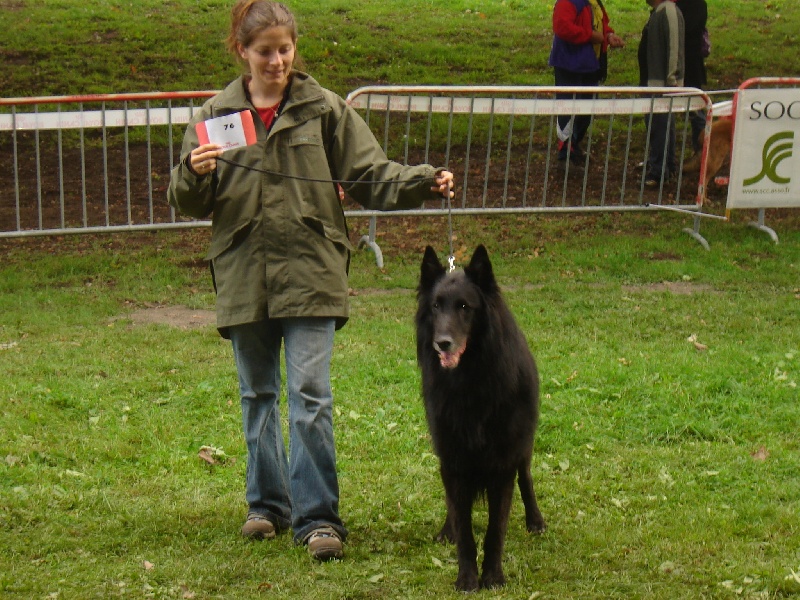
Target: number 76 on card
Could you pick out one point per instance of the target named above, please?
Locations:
(229, 131)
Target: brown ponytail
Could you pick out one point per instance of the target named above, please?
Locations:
(250, 17)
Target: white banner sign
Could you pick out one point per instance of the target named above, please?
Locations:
(527, 106)
(765, 161)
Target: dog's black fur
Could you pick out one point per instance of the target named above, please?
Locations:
(481, 391)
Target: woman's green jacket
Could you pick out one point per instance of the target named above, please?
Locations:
(279, 244)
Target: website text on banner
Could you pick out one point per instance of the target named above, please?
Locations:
(765, 161)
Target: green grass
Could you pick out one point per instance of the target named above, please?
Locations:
(665, 469)
(71, 47)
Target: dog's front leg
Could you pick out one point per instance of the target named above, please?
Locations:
(448, 531)
(499, 497)
(459, 509)
(467, 579)
(534, 522)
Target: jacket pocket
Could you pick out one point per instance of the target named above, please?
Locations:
(228, 238)
(330, 232)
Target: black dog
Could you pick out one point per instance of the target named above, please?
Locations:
(481, 391)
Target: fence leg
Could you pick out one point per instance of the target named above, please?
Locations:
(695, 233)
(369, 241)
(761, 227)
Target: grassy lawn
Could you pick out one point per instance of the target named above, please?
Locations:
(70, 47)
(667, 458)
(666, 462)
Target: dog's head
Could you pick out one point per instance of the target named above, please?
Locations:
(451, 304)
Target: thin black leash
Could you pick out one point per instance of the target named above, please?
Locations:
(451, 259)
(315, 180)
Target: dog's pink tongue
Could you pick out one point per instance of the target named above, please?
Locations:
(449, 360)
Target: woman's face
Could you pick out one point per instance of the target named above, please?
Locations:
(270, 56)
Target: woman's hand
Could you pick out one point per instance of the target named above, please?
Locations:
(444, 184)
(615, 41)
(203, 159)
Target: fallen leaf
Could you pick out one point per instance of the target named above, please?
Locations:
(669, 567)
(148, 566)
(214, 456)
(205, 454)
(761, 454)
(376, 578)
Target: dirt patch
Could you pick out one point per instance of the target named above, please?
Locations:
(679, 288)
(174, 316)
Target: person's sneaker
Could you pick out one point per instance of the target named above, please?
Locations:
(258, 527)
(651, 183)
(577, 157)
(324, 544)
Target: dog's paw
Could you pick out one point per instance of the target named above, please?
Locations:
(493, 579)
(445, 536)
(467, 582)
(536, 526)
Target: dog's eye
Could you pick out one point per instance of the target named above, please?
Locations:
(436, 306)
(464, 306)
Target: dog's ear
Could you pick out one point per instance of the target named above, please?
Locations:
(431, 270)
(480, 270)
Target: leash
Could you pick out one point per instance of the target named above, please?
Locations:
(315, 180)
(451, 259)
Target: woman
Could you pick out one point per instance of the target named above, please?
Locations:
(279, 256)
(582, 36)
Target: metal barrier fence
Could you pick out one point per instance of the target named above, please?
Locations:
(501, 143)
(101, 163)
(88, 164)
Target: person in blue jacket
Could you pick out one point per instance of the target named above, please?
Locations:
(582, 36)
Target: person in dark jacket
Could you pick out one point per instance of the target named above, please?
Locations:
(279, 256)
(695, 16)
(581, 38)
(664, 35)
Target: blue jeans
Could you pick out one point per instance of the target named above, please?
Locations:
(573, 127)
(661, 159)
(302, 492)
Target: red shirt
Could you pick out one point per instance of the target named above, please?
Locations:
(268, 114)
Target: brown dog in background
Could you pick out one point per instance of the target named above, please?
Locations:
(719, 150)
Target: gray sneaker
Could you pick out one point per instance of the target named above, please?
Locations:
(324, 544)
(258, 527)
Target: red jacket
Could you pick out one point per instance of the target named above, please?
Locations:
(572, 26)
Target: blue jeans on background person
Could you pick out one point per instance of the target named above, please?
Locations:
(661, 157)
(302, 492)
(573, 128)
